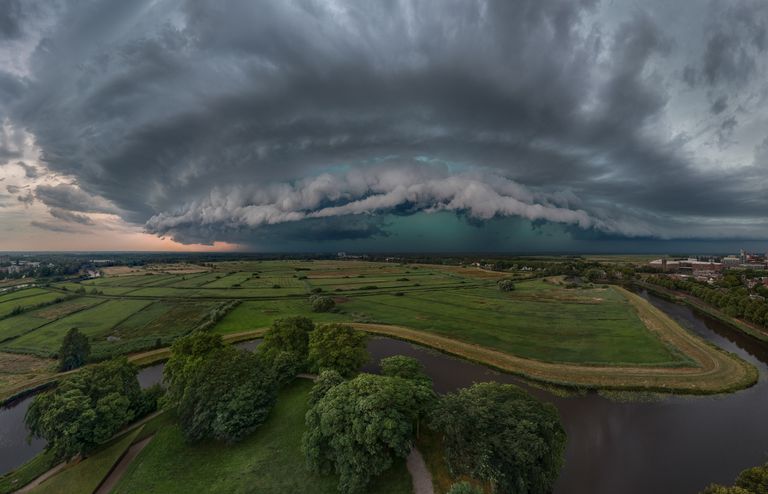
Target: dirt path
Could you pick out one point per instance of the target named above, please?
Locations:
(420, 476)
(119, 470)
(47, 475)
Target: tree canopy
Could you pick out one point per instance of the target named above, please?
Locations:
(405, 367)
(750, 481)
(87, 408)
(500, 434)
(186, 354)
(219, 392)
(226, 396)
(290, 334)
(74, 351)
(338, 347)
(358, 428)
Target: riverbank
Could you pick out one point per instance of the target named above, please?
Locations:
(142, 359)
(714, 371)
(700, 305)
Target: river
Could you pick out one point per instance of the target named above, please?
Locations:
(675, 445)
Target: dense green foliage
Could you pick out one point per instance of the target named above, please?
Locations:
(87, 408)
(506, 285)
(321, 303)
(359, 428)
(290, 334)
(219, 392)
(269, 461)
(74, 351)
(338, 347)
(751, 481)
(186, 355)
(405, 367)
(731, 296)
(498, 433)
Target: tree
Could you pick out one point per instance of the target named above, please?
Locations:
(290, 334)
(186, 354)
(750, 481)
(498, 433)
(87, 408)
(74, 350)
(506, 285)
(754, 480)
(322, 303)
(338, 347)
(405, 367)
(224, 394)
(324, 382)
(359, 427)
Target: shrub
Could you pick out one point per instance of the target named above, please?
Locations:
(506, 285)
(322, 304)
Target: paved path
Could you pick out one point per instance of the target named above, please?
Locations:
(420, 476)
(117, 473)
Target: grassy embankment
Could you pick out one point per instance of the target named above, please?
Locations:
(269, 461)
(701, 306)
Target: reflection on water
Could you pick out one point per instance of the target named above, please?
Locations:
(676, 445)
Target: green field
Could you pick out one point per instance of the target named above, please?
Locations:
(269, 461)
(539, 320)
(93, 322)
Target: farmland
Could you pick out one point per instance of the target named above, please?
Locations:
(542, 321)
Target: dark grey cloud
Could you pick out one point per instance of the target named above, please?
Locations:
(70, 217)
(739, 38)
(57, 227)
(72, 198)
(188, 116)
(11, 18)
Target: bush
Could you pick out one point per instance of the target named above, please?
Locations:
(322, 304)
(505, 285)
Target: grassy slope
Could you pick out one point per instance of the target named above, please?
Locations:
(269, 461)
(85, 477)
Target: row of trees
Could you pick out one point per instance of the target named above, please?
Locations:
(733, 299)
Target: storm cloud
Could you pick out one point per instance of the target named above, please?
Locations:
(236, 121)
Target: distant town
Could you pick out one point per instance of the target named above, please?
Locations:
(709, 269)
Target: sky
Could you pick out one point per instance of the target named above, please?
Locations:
(368, 125)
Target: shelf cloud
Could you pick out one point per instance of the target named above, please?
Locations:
(339, 117)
